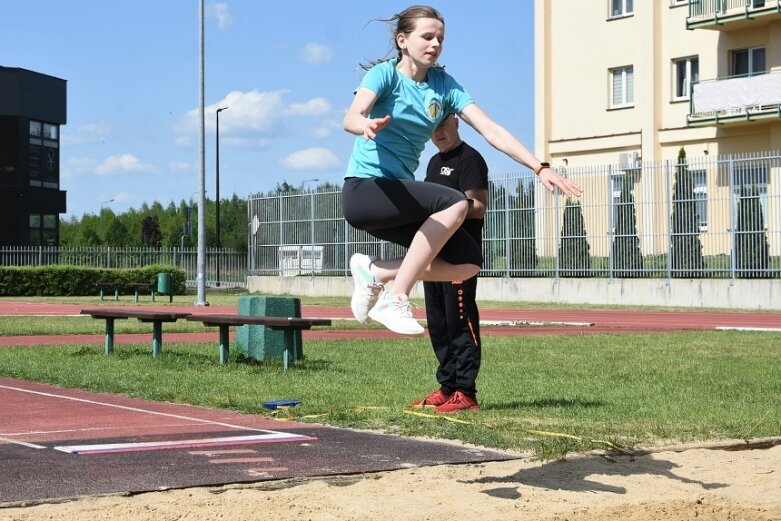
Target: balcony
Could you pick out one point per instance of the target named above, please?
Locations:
(727, 15)
(735, 100)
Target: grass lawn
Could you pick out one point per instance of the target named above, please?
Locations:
(546, 394)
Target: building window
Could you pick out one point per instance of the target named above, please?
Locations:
(51, 135)
(43, 229)
(36, 129)
(685, 72)
(623, 87)
(619, 8)
(748, 62)
(700, 185)
(746, 180)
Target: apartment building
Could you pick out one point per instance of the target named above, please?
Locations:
(645, 78)
(629, 83)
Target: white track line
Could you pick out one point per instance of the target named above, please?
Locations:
(737, 328)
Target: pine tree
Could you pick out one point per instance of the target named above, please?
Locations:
(574, 249)
(753, 250)
(627, 259)
(686, 250)
(523, 250)
(150, 232)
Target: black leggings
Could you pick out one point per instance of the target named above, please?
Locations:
(394, 210)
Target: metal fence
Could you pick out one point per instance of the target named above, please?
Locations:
(230, 265)
(707, 217)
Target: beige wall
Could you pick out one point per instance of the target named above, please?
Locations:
(576, 45)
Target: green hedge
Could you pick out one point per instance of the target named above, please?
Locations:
(67, 281)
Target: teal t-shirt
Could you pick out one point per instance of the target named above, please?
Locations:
(415, 109)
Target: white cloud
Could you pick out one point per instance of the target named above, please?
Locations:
(89, 133)
(317, 107)
(180, 166)
(326, 129)
(252, 111)
(316, 53)
(311, 159)
(252, 118)
(121, 164)
(220, 11)
(248, 143)
(184, 141)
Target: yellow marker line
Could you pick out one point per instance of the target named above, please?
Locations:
(443, 417)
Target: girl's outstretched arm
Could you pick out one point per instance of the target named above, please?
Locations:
(501, 139)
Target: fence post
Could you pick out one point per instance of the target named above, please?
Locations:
(732, 221)
(312, 230)
(507, 241)
(669, 223)
(556, 236)
(610, 222)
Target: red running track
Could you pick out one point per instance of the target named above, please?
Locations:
(505, 322)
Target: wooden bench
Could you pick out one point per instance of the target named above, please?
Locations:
(116, 288)
(225, 320)
(155, 317)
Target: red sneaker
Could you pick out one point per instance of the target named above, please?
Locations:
(458, 402)
(432, 400)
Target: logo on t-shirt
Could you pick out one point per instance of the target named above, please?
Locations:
(433, 110)
(446, 170)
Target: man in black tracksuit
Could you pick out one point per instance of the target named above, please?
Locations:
(451, 310)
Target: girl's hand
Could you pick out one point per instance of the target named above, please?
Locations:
(549, 178)
(373, 126)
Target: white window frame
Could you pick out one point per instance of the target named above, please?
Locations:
(687, 80)
(747, 176)
(625, 100)
(620, 8)
(751, 58)
(700, 189)
(676, 3)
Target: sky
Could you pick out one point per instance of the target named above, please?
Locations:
(286, 70)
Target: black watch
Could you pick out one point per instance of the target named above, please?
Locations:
(540, 168)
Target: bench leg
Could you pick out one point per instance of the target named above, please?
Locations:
(109, 336)
(288, 354)
(157, 338)
(224, 343)
(153, 296)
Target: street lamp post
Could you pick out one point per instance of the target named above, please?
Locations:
(217, 192)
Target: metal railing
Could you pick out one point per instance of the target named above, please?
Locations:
(715, 10)
(708, 217)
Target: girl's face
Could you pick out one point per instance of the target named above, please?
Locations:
(424, 43)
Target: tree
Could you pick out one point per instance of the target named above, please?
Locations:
(523, 248)
(627, 259)
(752, 248)
(117, 235)
(150, 232)
(574, 249)
(686, 247)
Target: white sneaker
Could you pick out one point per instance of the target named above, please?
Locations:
(366, 291)
(396, 315)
